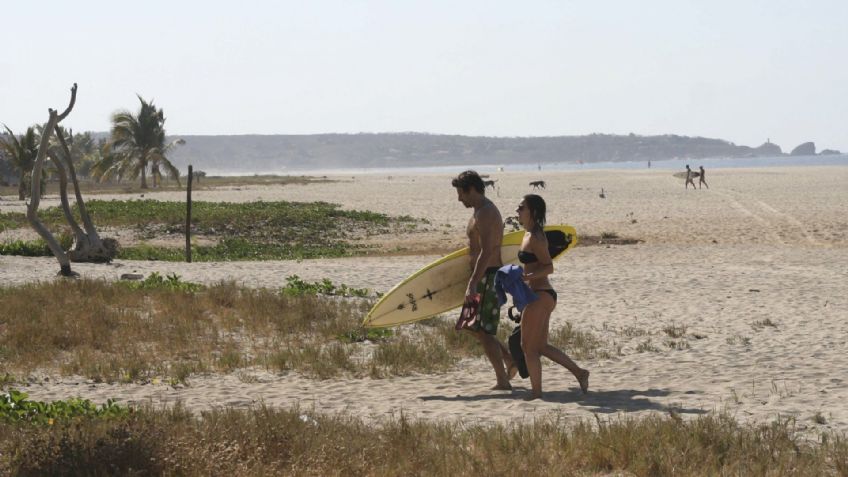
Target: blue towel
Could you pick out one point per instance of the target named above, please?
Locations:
(508, 280)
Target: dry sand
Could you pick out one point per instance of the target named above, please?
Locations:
(755, 269)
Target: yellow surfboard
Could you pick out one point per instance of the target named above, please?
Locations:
(440, 286)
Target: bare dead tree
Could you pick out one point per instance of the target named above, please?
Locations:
(88, 246)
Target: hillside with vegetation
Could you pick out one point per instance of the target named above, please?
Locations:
(266, 153)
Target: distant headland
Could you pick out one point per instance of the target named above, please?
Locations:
(262, 153)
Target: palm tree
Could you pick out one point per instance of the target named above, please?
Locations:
(21, 153)
(137, 144)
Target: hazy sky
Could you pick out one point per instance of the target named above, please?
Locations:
(738, 70)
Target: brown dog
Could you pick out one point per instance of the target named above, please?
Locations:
(537, 184)
(489, 184)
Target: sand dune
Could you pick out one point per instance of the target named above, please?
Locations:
(755, 269)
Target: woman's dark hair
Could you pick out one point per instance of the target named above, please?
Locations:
(537, 207)
(467, 180)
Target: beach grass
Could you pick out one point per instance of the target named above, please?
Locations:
(168, 329)
(266, 441)
(239, 231)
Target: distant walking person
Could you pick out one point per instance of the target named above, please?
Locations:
(689, 177)
(701, 179)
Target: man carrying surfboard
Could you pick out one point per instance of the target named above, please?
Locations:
(485, 233)
(689, 175)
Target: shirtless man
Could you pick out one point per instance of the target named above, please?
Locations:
(689, 177)
(485, 233)
(701, 179)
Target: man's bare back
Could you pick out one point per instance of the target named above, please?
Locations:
(485, 229)
(486, 218)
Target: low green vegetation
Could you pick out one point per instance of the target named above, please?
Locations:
(91, 187)
(155, 281)
(34, 248)
(241, 231)
(295, 286)
(265, 441)
(15, 407)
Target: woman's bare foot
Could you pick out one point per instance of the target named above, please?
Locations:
(509, 364)
(502, 387)
(583, 379)
(533, 396)
(511, 371)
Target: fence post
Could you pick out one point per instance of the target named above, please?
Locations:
(188, 215)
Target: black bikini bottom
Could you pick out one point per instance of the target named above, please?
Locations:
(550, 292)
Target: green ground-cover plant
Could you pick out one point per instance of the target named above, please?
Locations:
(296, 286)
(166, 328)
(243, 231)
(10, 222)
(172, 282)
(92, 187)
(34, 248)
(24, 248)
(300, 218)
(15, 407)
(240, 249)
(265, 441)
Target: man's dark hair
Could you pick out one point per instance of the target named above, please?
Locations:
(468, 179)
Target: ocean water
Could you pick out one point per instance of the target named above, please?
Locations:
(670, 164)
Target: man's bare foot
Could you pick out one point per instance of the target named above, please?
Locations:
(502, 387)
(533, 396)
(583, 379)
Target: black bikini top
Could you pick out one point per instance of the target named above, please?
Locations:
(527, 257)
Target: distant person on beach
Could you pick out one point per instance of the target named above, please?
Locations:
(535, 320)
(701, 179)
(689, 177)
(485, 234)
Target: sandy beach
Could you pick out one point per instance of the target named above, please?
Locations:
(755, 269)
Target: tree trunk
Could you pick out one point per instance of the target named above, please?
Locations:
(63, 197)
(22, 186)
(32, 207)
(88, 246)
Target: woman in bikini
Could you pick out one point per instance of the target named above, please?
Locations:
(536, 259)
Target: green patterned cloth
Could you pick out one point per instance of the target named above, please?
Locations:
(490, 310)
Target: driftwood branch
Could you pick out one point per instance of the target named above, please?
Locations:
(71, 105)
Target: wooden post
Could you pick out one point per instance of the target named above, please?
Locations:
(188, 215)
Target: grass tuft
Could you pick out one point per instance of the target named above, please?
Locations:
(265, 441)
(164, 328)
